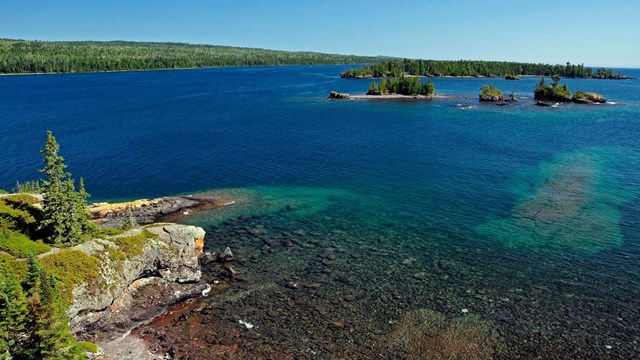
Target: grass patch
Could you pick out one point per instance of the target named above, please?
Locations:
(129, 246)
(88, 346)
(104, 233)
(20, 245)
(71, 267)
(19, 267)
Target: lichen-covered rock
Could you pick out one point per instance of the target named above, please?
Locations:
(582, 97)
(166, 255)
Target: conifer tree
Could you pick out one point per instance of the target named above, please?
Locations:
(65, 217)
(13, 314)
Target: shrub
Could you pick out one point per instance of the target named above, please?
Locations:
(71, 267)
(129, 246)
(491, 91)
(88, 346)
(31, 187)
(20, 245)
(19, 267)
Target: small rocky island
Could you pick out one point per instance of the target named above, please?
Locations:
(490, 93)
(556, 93)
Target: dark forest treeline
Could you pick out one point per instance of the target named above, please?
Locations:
(436, 68)
(25, 56)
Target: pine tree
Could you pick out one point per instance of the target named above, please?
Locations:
(129, 219)
(65, 217)
(13, 314)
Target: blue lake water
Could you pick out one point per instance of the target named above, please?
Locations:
(525, 217)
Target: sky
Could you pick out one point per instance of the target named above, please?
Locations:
(596, 33)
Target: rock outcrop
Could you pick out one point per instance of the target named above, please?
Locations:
(337, 95)
(148, 211)
(582, 97)
(130, 290)
(491, 97)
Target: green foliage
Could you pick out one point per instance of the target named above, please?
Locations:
(88, 346)
(553, 92)
(104, 233)
(21, 56)
(374, 89)
(13, 311)
(3, 191)
(435, 68)
(33, 322)
(129, 219)
(490, 91)
(71, 267)
(65, 217)
(18, 215)
(31, 187)
(401, 85)
(603, 73)
(129, 246)
(20, 245)
(20, 268)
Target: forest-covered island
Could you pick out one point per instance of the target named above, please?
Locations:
(26, 56)
(469, 68)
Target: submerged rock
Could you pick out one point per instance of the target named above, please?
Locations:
(428, 334)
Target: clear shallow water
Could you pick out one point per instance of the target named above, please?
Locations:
(534, 205)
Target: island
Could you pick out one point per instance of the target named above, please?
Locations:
(554, 92)
(490, 93)
(468, 68)
(409, 86)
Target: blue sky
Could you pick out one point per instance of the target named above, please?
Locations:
(595, 33)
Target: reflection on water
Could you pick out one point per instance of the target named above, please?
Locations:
(570, 203)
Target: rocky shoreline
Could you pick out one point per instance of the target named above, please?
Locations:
(149, 211)
(401, 97)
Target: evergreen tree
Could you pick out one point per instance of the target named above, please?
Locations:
(13, 314)
(65, 217)
(129, 219)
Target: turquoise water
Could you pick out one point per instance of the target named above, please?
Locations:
(525, 217)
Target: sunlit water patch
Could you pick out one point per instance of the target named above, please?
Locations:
(571, 202)
(264, 200)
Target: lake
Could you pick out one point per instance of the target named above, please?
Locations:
(363, 228)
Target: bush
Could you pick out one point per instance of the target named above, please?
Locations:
(19, 267)
(20, 245)
(71, 267)
(86, 346)
(17, 213)
(129, 246)
(31, 187)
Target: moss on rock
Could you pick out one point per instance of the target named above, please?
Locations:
(71, 267)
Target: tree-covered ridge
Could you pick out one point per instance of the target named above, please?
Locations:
(26, 56)
(401, 85)
(437, 68)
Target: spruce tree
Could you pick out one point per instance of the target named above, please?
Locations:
(13, 314)
(65, 217)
